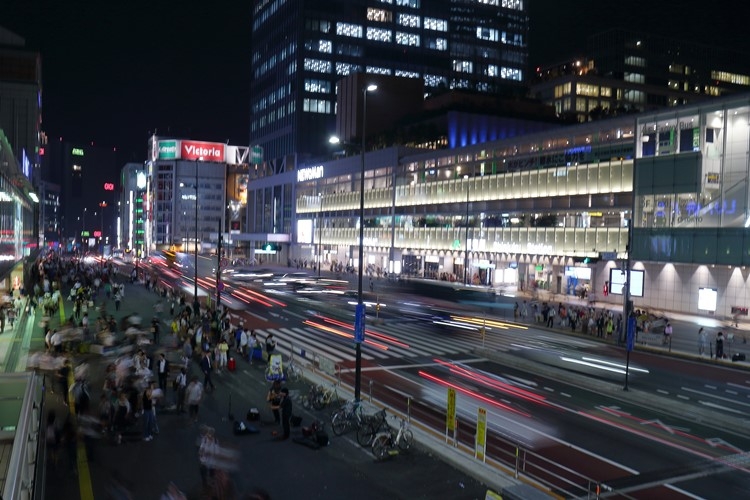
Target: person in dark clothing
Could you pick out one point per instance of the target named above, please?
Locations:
(720, 345)
(206, 367)
(274, 399)
(155, 330)
(63, 374)
(286, 412)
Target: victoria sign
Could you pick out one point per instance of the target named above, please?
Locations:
(206, 151)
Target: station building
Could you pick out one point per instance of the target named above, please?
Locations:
(559, 211)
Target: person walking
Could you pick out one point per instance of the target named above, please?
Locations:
(193, 397)
(206, 368)
(223, 350)
(149, 418)
(667, 340)
(207, 455)
(162, 372)
(270, 344)
(180, 384)
(702, 341)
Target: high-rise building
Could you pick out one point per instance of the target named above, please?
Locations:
(21, 99)
(627, 71)
(301, 48)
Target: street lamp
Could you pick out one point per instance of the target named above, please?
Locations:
(103, 204)
(466, 257)
(196, 303)
(320, 232)
(359, 334)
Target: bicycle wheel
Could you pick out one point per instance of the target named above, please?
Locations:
(339, 422)
(365, 434)
(380, 445)
(407, 439)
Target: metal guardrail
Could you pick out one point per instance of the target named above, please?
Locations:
(28, 445)
(508, 456)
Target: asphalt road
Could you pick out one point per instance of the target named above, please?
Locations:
(601, 433)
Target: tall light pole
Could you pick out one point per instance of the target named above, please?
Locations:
(466, 257)
(359, 323)
(320, 232)
(196, 303)
(102, 205)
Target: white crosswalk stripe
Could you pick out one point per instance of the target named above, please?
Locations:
(390, 340)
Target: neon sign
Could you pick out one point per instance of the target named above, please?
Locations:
(77, 152)
(108, 186)
(310, 174)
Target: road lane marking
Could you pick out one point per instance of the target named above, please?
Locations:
(708, 394)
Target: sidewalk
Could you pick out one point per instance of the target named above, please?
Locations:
(96, 468)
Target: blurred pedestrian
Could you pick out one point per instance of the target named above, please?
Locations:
(180, 384)
(193, 397)
(702, 341)
(207, 455)
(207, 368)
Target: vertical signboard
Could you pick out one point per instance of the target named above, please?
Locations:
(359, 323)
(481, 437)
(450, 415)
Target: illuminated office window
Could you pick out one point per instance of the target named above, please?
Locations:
(347, 29)
(511, 74)
(463, 66)
(431, 23)
(376, 70)
(407, 39)
(487, 34)
(317, 65)
(379, 34)
(409, 20)
(379, 15)
(436, 43)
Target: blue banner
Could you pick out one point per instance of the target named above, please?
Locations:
(631, 333)
(359, 324)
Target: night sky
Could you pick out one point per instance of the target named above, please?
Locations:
(115, 72)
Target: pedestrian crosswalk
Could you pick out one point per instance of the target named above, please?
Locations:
(334, 340)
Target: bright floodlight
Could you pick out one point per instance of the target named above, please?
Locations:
(372, 87)
(334, 140)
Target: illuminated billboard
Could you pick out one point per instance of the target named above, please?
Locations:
(617, 281)
(204, 151)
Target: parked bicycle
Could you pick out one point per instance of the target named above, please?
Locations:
(319, 397)
(349, 416)
(293, 370)
(392, 441)
(371, 425)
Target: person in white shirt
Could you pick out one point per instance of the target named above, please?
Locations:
(193, 397)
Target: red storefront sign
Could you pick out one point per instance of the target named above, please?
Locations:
(207, 151)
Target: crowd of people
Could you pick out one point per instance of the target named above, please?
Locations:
(147, 374)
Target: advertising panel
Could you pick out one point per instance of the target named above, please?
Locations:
(617, 280)
(166, 150)
(304, 231)
(207, 151)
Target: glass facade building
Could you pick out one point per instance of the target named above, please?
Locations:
(301, 48)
